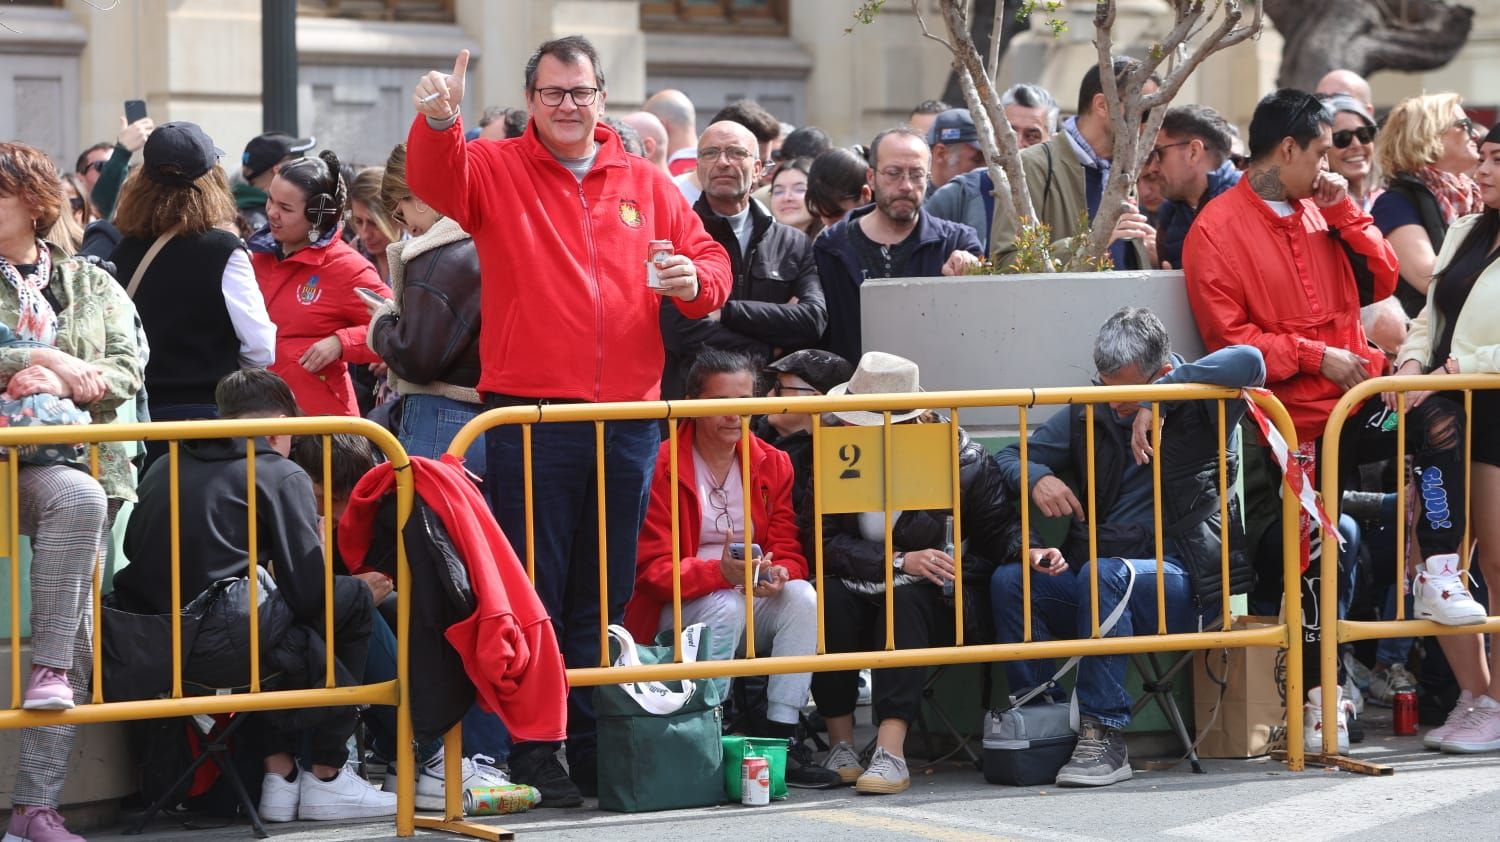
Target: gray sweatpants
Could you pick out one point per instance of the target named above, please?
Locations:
(64, 512)
(786, 624)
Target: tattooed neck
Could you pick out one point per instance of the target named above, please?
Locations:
(1267, 184)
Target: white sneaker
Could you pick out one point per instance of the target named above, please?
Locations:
(1356, 670)
(347, 796)
(279, 797)
(477, 772)
(1354, 697)
(866, 689)
(1434, 739)
(1386, 683)
(1312, 721)
(1439, 595)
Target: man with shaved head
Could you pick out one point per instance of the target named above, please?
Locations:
(1348, 82)
(653, 135)
(776, 304)
(677, 115)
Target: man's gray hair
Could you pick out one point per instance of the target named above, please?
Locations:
(1032, 96)
(1132, 336)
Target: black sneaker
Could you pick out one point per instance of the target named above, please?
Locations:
(805, 773)
(1099, 759)
(539, 768)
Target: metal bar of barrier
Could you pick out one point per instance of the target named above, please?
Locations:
(890, 527)
(1092, 504)
(253, 547)
(1466, 547)
(383, 693)
(1266, 637)
(1346, 631)
(13, 462)
(1025, 531)
(174, 465)
(817, 500)
(751, 571)
(528, 477)
(958, 534)
(676, 543)
(1224, 512)
(1161, 558)
(327, 520)
(97, 584)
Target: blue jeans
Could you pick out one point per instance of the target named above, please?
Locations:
(1054, 614)
(1057, 599)
(429, 423)
(566, 530)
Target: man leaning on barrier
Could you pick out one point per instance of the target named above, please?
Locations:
(1132, 349)
(214, 543)
(562, 217)
(711, 525)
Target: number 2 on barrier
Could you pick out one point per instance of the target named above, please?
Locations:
(854, 458)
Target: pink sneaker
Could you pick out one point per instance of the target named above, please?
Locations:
(49, 690)
(1434, 739)
(38, 824)
(1478, 732)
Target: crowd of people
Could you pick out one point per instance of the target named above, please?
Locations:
(507, 265)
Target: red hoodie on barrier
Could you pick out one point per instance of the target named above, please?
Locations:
(508, 646)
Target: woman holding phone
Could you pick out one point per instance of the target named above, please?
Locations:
(717, 563)
(309, 275)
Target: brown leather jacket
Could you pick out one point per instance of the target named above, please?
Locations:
(430, 338)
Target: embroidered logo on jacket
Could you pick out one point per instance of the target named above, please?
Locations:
(309, 292)
(630, 213)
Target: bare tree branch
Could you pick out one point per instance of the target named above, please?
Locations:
(995, 30)
(927, 33)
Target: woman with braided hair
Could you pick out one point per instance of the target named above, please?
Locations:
(309, 277)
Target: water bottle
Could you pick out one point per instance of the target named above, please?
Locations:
(948, 548)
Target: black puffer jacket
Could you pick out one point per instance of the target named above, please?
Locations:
(758, 319)
(986, 515)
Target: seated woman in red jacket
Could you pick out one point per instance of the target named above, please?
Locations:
(711, 520)
(308, 276)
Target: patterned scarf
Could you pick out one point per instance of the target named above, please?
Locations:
(38, 321)
(1457, 195)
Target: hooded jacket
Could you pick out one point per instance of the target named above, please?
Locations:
(508, 645)
(310, 296)
(566, 310)
(842, 275)
(773, 526)
(1285, 285)
(429, 336)
(760, 319)
(1175, 219)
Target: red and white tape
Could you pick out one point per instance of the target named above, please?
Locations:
(1294, 473)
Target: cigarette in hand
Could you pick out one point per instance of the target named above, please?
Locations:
(430, 97)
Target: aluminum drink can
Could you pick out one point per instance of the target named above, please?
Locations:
(1404, 713)
(656, 251)
(755, 785)
(499, 800)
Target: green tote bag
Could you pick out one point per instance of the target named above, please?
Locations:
(659, 746)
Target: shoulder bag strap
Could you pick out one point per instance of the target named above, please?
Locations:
(140, 270)
(1104, 629)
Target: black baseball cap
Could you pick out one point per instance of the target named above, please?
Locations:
(178, 153)
(270, 149)
(956, 125)
(821, 369)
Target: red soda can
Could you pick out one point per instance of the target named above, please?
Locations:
(1404, 713)
(755, 786)
(656, 252)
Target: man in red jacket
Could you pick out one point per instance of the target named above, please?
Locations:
(1272, 263)
(561, 218)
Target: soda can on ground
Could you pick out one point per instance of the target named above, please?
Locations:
(500, 800)
(755, 787)
(1404, 713)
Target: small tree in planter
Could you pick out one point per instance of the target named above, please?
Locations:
(1200, 29)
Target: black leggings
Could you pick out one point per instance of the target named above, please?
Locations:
(855, 622)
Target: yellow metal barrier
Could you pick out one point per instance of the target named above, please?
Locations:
(395, 693)
(1353, 630)
(898, 467)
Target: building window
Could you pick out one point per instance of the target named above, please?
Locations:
(424, 11)
(760, 17)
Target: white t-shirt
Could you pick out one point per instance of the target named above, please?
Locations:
(714, 529)
(1283, 209)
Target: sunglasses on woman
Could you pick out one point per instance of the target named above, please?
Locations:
(1365, 135)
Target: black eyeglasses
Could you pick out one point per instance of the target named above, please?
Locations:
(553, 97)
(97, 166)
(76, 203)
(718, 498)
(1364, 134)
(1241, 162)
(1155, 154)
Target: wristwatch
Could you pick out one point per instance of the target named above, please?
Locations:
(899, 561)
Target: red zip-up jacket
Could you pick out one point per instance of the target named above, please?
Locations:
(508, 646)
(771, 515)
(310, 296)
(1285, 286)
(565, 311)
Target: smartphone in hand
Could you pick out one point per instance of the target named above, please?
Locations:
(371, 296)
(135, 110)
